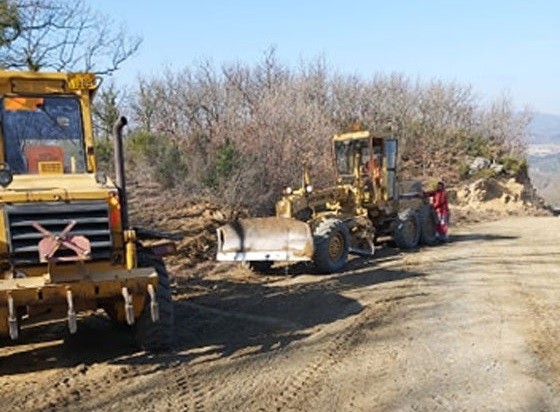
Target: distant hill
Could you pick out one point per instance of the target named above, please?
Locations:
(544, 156)
(545, 129)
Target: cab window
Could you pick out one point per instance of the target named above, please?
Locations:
(43, 135)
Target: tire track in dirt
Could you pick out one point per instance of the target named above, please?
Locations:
(300, 391)
(195, 388)
(543, 329)
(189, 393)
(200, 386)
(245, 381)
(255, 379)
(296, 388)
(193, 383)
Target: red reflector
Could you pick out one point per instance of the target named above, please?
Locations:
(114, 213)
(115, 218)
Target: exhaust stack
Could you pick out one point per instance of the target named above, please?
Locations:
(119, 168)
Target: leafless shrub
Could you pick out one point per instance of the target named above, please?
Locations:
(245, 132)
(61, 35)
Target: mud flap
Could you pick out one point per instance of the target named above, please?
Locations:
(265, 239)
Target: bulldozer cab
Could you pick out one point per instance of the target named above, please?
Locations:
(372, 160)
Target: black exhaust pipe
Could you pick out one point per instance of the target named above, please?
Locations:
(119, 168)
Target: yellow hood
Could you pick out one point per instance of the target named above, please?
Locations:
(46, 188)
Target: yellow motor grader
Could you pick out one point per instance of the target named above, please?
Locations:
(65, 241)
(324, 226)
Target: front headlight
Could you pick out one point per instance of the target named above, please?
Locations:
(288, 191)
(6, 175)
(308, 189)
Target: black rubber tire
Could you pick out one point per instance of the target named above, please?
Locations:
(406, 232)
(156, 336)
(428, 225)
(260, 266)
(331, 241)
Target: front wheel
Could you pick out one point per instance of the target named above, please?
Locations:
(331, 241)
(406, 232)
(428, 225)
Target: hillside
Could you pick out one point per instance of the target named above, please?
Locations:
(544, 169)
(544, 156)
(545, 129)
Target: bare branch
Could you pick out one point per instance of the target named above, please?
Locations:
(62, 35)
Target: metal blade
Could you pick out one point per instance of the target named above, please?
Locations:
(269, 238)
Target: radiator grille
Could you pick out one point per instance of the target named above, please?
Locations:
(92, 221)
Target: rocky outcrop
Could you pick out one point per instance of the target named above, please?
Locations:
(496, 197)
(498, 191)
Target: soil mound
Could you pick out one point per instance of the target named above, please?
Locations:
(193, 221)
(493, 198)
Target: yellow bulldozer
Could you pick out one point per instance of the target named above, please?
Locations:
(65, 242)
(324, 226)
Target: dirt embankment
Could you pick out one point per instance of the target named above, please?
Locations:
(194, 222)
(495, 198)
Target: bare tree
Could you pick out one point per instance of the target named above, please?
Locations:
(105, 110)
(144, 105)
(62, 35)
(244, 131)
(10, 27)
(505, 128)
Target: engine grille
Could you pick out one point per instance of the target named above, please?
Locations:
(92, 221)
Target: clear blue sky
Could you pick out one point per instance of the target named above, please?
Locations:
(495, 45)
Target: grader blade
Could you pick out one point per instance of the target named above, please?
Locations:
(265, 239)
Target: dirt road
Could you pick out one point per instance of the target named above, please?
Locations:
(471, 325)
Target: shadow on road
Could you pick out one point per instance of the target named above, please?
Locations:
(477, 236)
(214, 318)
(50, 346)
(383, 253)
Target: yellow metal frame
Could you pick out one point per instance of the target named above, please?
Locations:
(105, 286)
(30, 290)
(89, 283)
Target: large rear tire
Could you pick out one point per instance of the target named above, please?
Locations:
(331, 241)
(428, 225)
(156, 336)
(406, 232)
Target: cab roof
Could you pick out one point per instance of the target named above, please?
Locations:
(362, 134)
(19, 82)
(351, 136)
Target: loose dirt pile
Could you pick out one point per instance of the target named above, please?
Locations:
(194, 222)
(494, 198)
